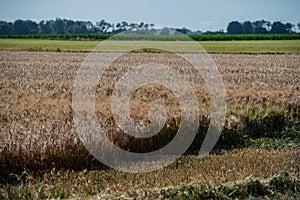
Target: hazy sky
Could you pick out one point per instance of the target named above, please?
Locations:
(194, 14)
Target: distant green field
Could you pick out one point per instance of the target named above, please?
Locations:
(46, 45)
(253, 46)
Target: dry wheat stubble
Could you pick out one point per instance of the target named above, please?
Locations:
(36, 90)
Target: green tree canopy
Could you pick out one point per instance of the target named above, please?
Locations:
(6, 28)
(25, 27)
(247, 27)
(261, 27)
(234, 27)
(280, 28)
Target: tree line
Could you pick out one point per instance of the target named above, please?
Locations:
(66, 26)
(261, 27)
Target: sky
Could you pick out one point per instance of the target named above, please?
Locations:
(201, 15)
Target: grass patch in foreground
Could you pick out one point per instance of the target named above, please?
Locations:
(282, 185)
(239, 173)
(263, 46)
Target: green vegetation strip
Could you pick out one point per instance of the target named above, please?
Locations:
(262, 46)
(202, 37)
(257, 46)
(46, 45)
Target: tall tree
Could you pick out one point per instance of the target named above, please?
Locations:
(133, 26)
(32, 27)
(6, 28)
(278, 28)
(261, 27)
(289, 27)
(46, 27)
(68, 25)
(124, 26)
(234, 27)
(103, 26)
(59, 26)
(146, 26)
(247, 27)
(141, 25)
(19, 27)
(25, 27)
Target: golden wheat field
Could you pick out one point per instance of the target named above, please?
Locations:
(40, 146)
